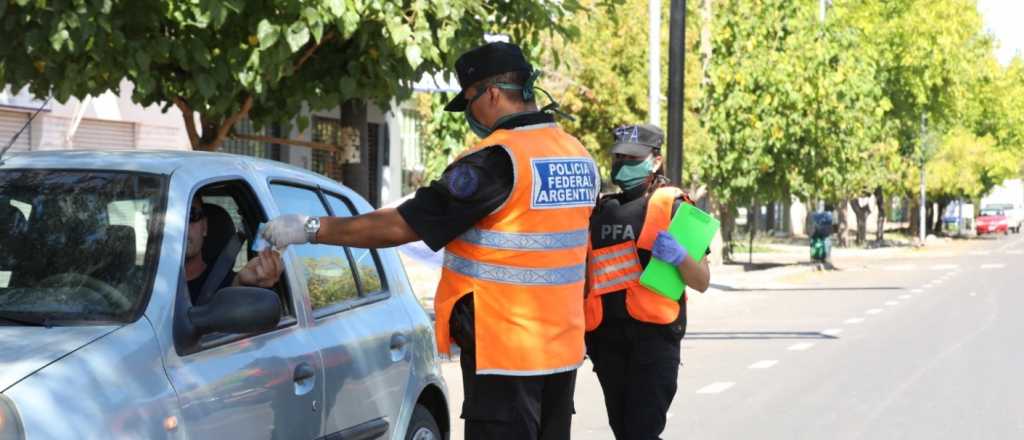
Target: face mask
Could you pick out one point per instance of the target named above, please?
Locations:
(478, 128)
(629, 174)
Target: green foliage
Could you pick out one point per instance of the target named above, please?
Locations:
(443, 135)
(968, 166)
(218, 58)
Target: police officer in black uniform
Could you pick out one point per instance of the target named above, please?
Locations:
(637, 363)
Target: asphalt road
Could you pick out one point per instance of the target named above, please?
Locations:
(914, 347)
(926, 347)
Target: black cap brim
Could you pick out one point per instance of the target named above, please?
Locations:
(457, 104)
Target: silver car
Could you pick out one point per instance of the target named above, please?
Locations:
(102, 337)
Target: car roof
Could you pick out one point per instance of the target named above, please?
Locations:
(146, 161)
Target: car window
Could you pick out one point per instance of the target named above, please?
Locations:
(327, 269)
(366, 260)
(77, 246)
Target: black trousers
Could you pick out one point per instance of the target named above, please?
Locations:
(509, 407)
(638, 365)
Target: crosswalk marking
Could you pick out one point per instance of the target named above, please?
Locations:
(993, 266)
(980, 253)
(899, 268)
(832, 331)
(1015, 252)
(892, 303)
(801, 346)
(716, 388)
(904, 296)
(944, 267)
(874, 311)
(760, 365)
(854, 321)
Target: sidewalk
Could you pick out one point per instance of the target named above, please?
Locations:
(769, 269)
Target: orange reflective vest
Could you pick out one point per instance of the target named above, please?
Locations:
(617, 267)
(525, 263)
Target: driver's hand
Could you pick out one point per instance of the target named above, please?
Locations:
(262, 271)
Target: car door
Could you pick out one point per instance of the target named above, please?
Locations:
(363, 335)
(264, 386)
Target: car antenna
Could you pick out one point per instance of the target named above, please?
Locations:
(23, 127)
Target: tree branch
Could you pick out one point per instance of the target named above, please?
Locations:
(225, 127)
(311, 50)
(190, 121)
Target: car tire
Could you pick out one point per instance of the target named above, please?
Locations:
(422, 426)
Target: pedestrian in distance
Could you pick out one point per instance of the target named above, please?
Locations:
(512, 214)
(633, 333)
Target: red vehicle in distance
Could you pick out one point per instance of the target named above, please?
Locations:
(992, 221)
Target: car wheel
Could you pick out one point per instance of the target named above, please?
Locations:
(422, 426)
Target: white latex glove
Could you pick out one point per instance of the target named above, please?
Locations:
(286, 230)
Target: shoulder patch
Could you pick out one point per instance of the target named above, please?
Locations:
(462, 180)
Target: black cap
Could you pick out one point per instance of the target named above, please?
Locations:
(637, 140)
(484, 62)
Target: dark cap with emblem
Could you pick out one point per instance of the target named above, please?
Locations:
(484, 62)
(637, 140)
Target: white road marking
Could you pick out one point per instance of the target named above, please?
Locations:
(832, 331)
(1017, 252)
(760, 365)
(716, 388)
(801, 346)
(904, 296)
(993, 266)
(892, 303)
(981, 253)
(874, 311)
(973, 294)
(917, 291)
(854, 321)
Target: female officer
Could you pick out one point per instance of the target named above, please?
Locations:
(633, 334)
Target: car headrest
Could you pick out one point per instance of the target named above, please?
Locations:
(120, 246)
(219, 229)
(12, 230)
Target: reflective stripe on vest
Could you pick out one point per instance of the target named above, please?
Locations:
(614, 268)
(514, 275)
(526, 241)
(525, 262)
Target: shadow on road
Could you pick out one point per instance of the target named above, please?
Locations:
(802, 289)
(757, 335)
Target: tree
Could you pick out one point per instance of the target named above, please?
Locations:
(222, 60)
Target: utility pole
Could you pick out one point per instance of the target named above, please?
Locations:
(676, 64)
(921, 224)
(654, 62)
(822, 4)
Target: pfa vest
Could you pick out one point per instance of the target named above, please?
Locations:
(617, 267)
(525, 263)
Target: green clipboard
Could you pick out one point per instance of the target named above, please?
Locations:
(694, 229)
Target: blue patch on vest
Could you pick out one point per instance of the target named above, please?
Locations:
(568, 182)
(462, 181)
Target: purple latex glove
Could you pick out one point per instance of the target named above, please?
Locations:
(667, 249)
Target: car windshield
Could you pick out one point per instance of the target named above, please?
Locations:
(989, 212)
(76, 246)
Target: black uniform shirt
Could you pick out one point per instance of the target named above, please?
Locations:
(470, 189)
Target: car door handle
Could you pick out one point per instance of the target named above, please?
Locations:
(398, 341)
(303, 372)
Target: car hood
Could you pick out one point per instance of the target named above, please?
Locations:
(25, 350)
(991, 218)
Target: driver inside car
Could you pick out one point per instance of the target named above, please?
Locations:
(263, 270)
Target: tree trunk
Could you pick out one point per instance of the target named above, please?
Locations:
(727, 216)
(943, 203)
(787, 215)
(841, 214)
(915, 217)
(861, 212)
(808, 220)
(880, 201)
(769, 220)
(751, 229)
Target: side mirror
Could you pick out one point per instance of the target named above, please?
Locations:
(237, 310)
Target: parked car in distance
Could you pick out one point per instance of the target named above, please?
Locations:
(1014, 215)
(992, 221)
(99, 329)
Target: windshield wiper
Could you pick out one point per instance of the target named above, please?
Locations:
(45, 322)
